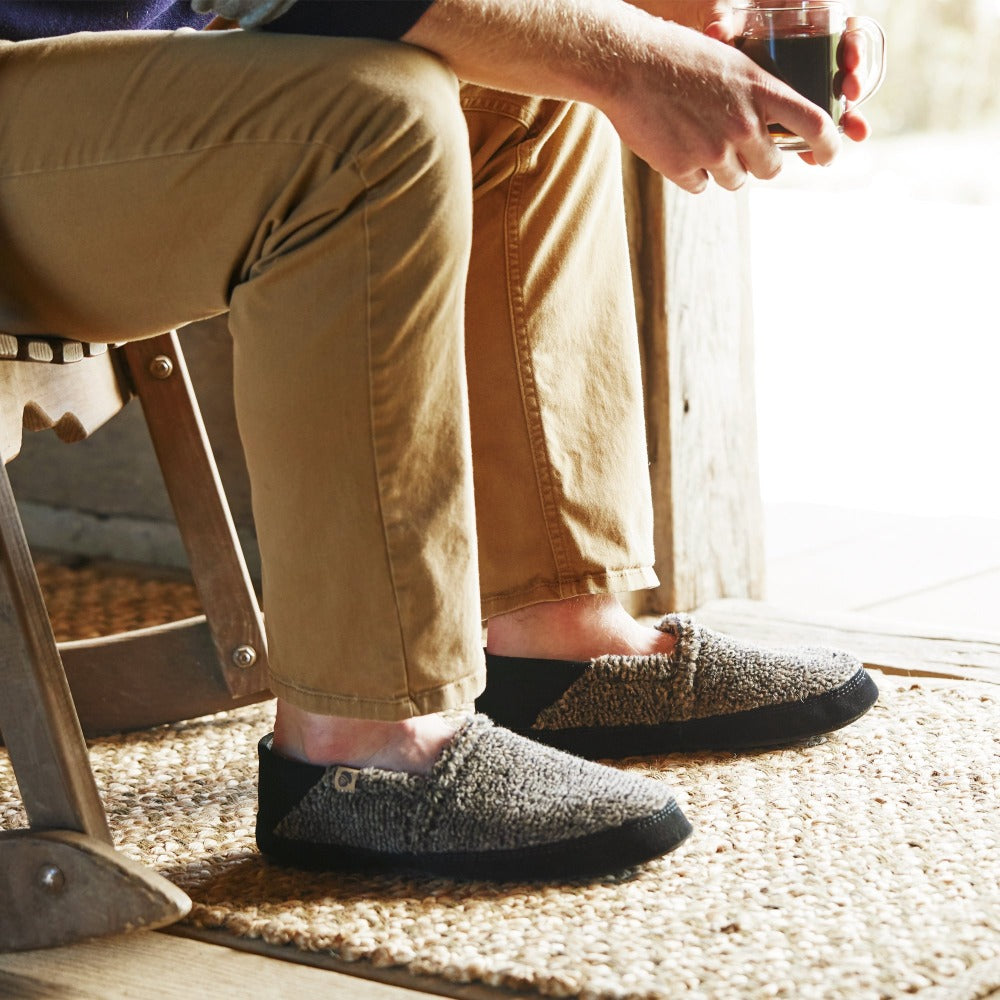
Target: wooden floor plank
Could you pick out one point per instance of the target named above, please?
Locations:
(155, 966)
(972, 603)
(798, 529)
(859, 572)
(893, 648)
(416, 987)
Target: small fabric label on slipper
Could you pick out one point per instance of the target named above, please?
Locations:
(345, 779)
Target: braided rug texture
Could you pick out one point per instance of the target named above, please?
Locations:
(861, 867)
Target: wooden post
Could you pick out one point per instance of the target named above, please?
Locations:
(691, 264)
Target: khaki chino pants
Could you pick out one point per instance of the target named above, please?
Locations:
(436, 367)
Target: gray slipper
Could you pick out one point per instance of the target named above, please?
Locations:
(711, 693)
(495, 806)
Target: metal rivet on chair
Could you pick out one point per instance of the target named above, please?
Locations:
(244, 656)
(161, 367)
(51, 878)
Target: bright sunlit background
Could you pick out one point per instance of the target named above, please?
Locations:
(878, 342)
(876, 282)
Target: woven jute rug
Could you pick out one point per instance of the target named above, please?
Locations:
(865, 865)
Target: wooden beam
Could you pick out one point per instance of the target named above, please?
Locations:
(148, 677)
(691, 266)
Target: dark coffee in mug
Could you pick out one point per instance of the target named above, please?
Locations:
(807, 62)
(798, 41)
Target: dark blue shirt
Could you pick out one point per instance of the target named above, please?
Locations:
(23, 19)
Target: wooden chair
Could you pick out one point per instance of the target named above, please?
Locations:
(60, 879)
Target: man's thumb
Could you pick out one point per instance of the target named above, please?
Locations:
(719, 22)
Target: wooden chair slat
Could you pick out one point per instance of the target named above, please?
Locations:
(148, 677)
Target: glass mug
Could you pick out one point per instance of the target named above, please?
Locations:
(798, 42)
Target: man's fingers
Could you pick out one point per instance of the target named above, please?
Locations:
(731, 180)
(729, 171)
(806, 120)
(761, 157)
(849, 50)
(718, 20)
(719, 31)
(855, 126)
(846, 85)
(695, 182)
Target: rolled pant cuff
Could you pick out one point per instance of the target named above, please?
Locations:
(441, 699)
(618, 581)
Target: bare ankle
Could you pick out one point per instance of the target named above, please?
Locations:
(577, 628)
(408, 745)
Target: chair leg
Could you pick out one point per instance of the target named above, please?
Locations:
(163, 385)
(37, 716)
(59, 886)
(61, 880)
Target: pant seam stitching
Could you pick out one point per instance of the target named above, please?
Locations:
(525, 368)
(372, 429)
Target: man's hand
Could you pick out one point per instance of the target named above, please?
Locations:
(693, 108)
(715, 19)
(704, 110)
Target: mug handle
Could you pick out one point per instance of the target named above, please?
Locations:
(874, 55)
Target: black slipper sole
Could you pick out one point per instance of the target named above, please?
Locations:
(755, 729)
(596, 854)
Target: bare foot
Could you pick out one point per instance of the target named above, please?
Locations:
(411, 745)
(579, 628)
